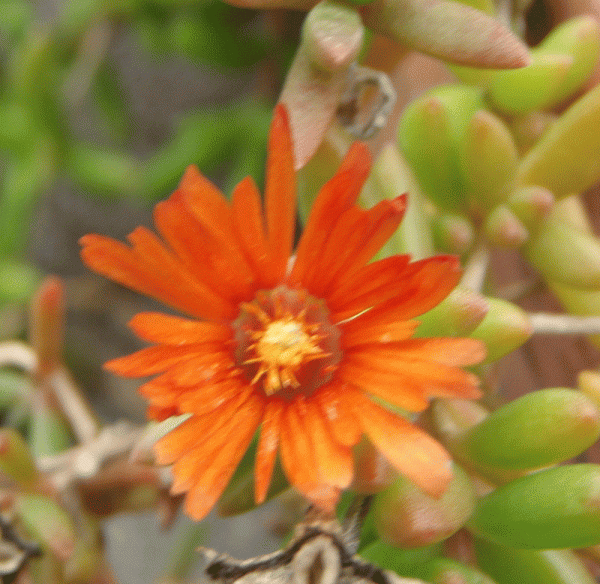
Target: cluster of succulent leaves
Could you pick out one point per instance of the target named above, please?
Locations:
(54, 65)
(499, 165)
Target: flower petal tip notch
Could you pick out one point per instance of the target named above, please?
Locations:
(298, 351)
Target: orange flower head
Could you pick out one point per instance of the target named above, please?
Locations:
(307, 348)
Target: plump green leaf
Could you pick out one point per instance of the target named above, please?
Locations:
(554, 508)
(538, 429)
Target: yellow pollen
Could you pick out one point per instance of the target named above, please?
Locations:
(281, 348)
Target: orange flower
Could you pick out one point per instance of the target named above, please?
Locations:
(297, 347)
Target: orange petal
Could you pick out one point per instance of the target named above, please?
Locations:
(156, 327)
(160, 414)
(454, 352)
(280, 191)
(224, 457)
(250, 231)
(206, 203)
(266, 451)
(380, 223)
(297, 455)
(199, 429)
(334, 461)
(161, 277)
(205, 367)
(356, 238)
(299, 463)
(360, 334)
(209, 397)
(208, 253)
(369, 286)
(390, 386)
(188, 468)
(409, 449)
(339, 416)
(420, 379)
(152, 360)
(393, 359)
(336, 197)
(162, 397)
(423, 285)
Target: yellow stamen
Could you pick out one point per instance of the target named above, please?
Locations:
(281, 348)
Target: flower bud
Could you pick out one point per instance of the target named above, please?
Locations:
(511, 566)
(503, 228)
(46, 324)
(505, 328)
(568, 518)
(538, 429)
(406, 517)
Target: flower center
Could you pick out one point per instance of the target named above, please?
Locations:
(286, 344)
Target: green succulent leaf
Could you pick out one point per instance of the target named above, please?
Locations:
(446, 571)
(406, 517)
(519, 91)
(488, 159)
(514, 566)
(504, 229)
(48, 523)
(566, 160)
(554, 508)
(409, 563)
(578, 38)
(429, 132)
(538, 429)
(565, 254)
(49, 433)
(447, 30)
(16, 460)
(505, 327)
(458, 315)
